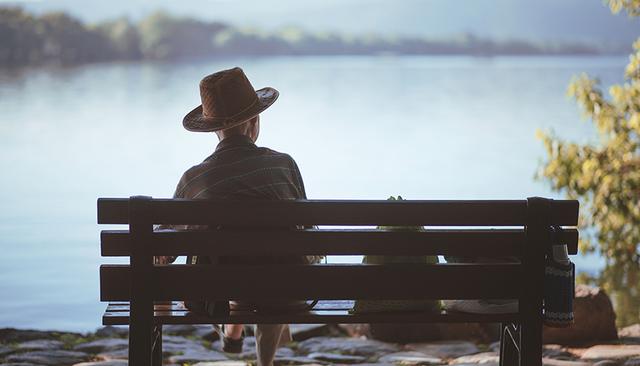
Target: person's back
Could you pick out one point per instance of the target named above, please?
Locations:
(240, 170)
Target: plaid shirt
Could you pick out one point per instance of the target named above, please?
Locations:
(239, 170)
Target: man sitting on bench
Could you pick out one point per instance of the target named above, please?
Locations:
(238, 170)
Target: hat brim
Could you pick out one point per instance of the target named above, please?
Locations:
(195, 121)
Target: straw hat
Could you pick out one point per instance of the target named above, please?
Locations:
(228, 99)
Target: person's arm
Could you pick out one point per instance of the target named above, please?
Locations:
(311, 259)
(164, 259)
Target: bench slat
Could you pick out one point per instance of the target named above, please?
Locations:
(468, 243)
(264, 282)
(177, 306)
(327, 312)
(337, 212)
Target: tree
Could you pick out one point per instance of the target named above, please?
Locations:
(604, 176)
(163, 37)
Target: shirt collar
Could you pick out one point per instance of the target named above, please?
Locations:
(234, 141)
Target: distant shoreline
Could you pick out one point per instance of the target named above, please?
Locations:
(183, 61)
(60, 39)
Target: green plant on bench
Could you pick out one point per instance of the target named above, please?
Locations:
(372, 306)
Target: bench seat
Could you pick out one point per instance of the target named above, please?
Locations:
(326, 311)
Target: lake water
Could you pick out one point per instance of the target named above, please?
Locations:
(359, 127)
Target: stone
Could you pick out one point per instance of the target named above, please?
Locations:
(40, 345)
(12, 335)
(483, 358)
(630, 334)
(110, 332)
(348, 346)
(121, 354)
(445, 349)
(248, 348)
(104, 363)
(49, 357)
(284, 352)
(282, 361)
(630, 331)
(249, 353)
(495, 346)
(606, 363)
(301, 332)
(179, 329)
(222, 363)
(632, 362)
(4, 350)
(411, 358)
(555, 351)
(177, 344)
(611, 351)
(336, 358)
(553, 362)
(206, 332)
(595, 319)
(195, 356)
(102, 345)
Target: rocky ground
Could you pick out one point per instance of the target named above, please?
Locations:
(592, 340)
(313, 344)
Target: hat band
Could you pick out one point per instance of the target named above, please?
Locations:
(238, 113)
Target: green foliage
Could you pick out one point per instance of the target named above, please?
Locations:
(604, 176)
(56, 37)
(123, 36)
(632, 7)
(165, 37)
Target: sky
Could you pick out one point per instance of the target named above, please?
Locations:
(536, 20)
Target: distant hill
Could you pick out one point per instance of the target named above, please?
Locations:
(57, 37)
(532, 20)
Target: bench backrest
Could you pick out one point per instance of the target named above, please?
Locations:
(485, 228)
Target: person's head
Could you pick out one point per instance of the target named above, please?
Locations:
(251, 129)
(230, 105)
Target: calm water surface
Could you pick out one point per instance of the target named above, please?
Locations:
(359, 127)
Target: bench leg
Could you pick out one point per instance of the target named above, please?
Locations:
(156, 357)
(141, 332)
(140, 344)
(531, 343)
(509, 350)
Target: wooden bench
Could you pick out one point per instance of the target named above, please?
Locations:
(463, 228)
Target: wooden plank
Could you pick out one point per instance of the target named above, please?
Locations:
(338, 212)
(314, 317)
(456, 242)
(264, 282)
(318, 242)
(113, 210)
(176, 306)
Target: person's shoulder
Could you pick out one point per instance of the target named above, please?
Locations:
(265, 151)
(195, 169)
(192, 172)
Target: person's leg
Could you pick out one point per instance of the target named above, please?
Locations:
(268, 338)
(233, 331)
